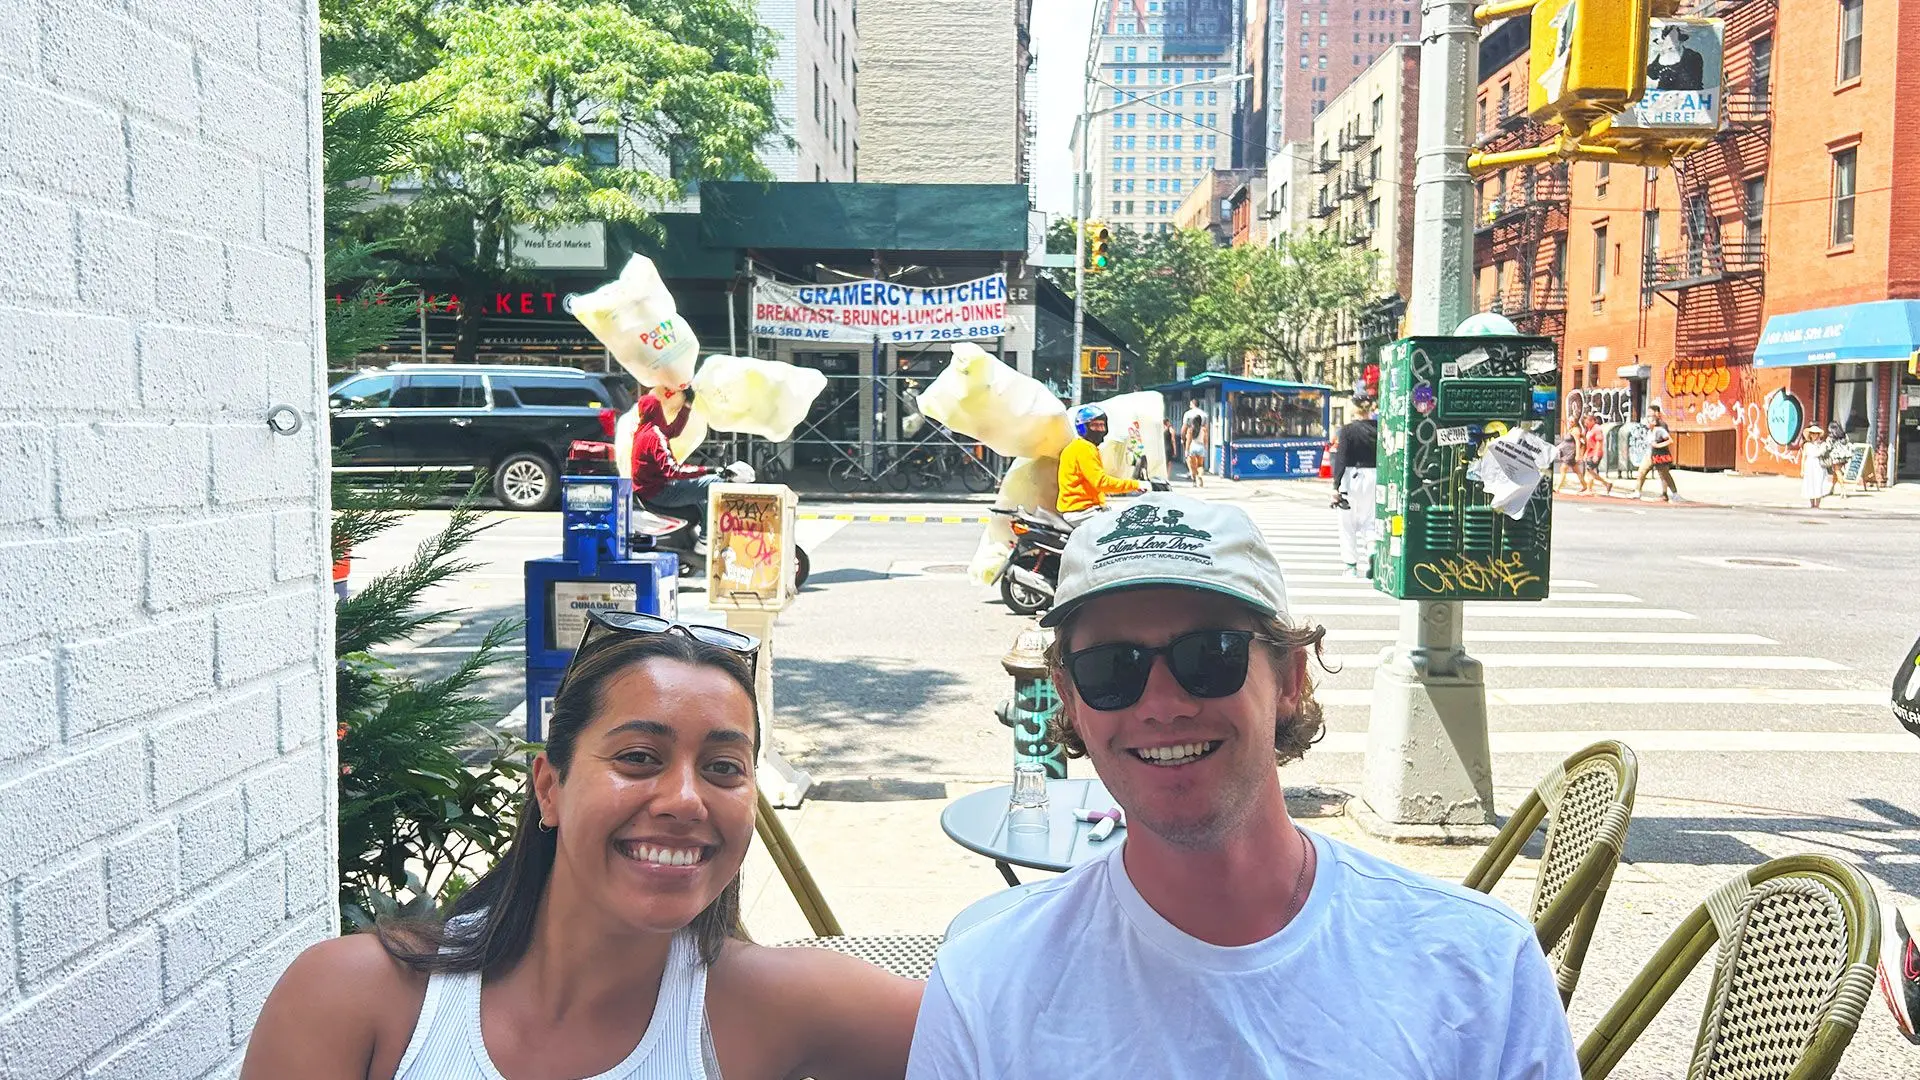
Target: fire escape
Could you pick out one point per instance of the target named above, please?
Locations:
(1524, 226)
(1716, 280)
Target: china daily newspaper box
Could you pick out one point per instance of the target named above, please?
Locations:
(595, 571)
(1445, 403)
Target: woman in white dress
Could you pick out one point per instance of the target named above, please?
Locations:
(1816, 480)
(607, 942)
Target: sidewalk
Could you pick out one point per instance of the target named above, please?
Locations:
(1723, 489)
(886, 868)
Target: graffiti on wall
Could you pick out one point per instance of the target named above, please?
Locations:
(1612, 404)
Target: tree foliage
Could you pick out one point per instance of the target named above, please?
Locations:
(510, 93)
(1178, 296)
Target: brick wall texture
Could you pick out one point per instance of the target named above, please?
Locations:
(165, 626)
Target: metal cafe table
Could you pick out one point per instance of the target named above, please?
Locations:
(978, 822)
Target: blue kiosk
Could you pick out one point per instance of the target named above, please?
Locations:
(1257, 428)
(596, 570)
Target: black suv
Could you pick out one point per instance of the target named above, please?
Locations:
(514, 423)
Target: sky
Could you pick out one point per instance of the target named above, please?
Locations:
(1060, 45)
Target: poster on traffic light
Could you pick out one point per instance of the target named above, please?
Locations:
(1685, 65)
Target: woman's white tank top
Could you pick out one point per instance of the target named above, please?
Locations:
(678, 1044)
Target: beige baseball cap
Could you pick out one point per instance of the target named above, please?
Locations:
(1161, 541)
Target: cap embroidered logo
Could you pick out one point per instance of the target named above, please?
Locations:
(1147, 530)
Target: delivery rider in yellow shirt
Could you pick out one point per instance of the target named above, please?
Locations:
(1084, 483)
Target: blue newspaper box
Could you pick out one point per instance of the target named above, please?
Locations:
(595, 571)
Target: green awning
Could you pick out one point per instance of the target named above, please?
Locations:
(864, 217)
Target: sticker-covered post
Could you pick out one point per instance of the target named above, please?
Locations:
(1428, 766)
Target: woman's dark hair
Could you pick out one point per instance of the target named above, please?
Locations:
(491, 925)
(1292, 735)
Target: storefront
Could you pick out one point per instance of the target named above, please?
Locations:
(1257, 428)
(1850, 366)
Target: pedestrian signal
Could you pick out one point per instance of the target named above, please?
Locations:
(1100, 363)
(1098, 237)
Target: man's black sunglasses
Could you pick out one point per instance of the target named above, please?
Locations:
(1206, 663)
(603, 625)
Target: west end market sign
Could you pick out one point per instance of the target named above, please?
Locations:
(861, 311)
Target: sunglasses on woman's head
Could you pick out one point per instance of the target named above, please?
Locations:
(1206, 664)
(604, 625)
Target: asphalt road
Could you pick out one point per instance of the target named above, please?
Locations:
(1759, 687)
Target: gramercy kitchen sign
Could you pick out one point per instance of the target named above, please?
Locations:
(863, 310)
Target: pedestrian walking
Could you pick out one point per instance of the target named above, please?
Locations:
(1659, 457)
(1193, 429)
(1816, 479)
(1566, 455)
(1593, 450)
(1355, 480)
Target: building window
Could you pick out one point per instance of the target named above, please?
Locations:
(1852, 18)
(1755, 211)
(1323, 63)
(816, 93)
(1600, 178)
(1373, 164)
(1844, 164)
(1762, 83)
(1133, 53)
(602, 150)
(1599, 262)
(1116, 186)
(1116, 206)
(1129, 206)
(1116, 142)
(1119, 54)
(1379, 113)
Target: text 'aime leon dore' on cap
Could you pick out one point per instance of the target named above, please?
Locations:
(1169, 541)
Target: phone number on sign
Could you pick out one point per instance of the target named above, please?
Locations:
(953, 333)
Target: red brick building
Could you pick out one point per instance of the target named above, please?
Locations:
(1662, 284)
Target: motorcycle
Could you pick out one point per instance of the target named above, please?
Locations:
(659, 528)
(1032, 569)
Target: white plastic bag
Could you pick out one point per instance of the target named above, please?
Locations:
(634, 316)
(1031, 483)
(768, 398)
(1135, 418)
(982, 398)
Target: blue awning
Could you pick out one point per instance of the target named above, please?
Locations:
(1851, 334)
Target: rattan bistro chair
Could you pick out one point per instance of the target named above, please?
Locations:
(908, 955)
(1586, 802)
(1797, 941)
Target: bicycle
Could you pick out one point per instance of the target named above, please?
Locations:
(850, 474)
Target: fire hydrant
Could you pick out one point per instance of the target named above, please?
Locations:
(1034, 704)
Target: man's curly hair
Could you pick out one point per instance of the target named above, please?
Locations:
(1292, 735)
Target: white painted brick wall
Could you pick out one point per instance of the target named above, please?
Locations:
(166, 754)
(938, 92)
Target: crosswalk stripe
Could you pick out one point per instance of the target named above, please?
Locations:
(1628, 661)
(1505, 611)
(1361, 591)
(1568, 637)
(1653, 741)
(1556, 696)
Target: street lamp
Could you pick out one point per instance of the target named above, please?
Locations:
(1083, 180)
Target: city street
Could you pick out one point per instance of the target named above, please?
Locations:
(1754, 692)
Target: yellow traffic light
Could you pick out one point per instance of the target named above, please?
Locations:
(1587, 60)
(1098, 236)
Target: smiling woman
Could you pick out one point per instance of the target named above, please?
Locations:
(607, 943)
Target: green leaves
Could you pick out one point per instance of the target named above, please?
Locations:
(1179, 296)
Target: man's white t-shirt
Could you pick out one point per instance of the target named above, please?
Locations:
(1384, 974)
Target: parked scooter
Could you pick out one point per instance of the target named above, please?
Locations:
(660, 528)
(1899, 947)
(1032, 569)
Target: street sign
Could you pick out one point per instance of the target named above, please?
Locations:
(1588, 58)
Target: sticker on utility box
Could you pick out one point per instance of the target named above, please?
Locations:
(1451, 436)
(574, 600)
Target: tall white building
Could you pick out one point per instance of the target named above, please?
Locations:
(1159, 137)
(817, 98)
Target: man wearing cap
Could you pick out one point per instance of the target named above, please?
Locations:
(1219, 939)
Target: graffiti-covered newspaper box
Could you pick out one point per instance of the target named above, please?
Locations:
(1466, 443)
(750, 556)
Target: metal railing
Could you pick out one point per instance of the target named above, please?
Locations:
(1704, 259)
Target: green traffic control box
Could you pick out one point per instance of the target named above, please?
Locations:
(1443, 400)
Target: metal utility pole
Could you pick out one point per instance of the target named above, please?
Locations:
(1428, 761)
(1082, 200)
